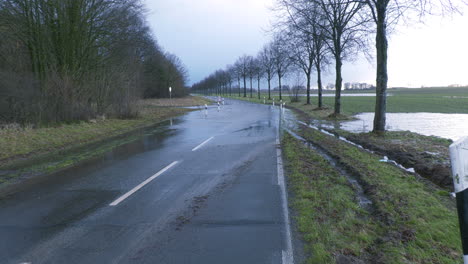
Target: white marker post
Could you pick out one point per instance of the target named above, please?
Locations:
(206, 111)
(459, 160)
(264, 100)
(273, 101)
(170, 95)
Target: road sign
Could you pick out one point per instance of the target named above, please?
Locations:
(459, 161)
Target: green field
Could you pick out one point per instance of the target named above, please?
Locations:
(431, 100)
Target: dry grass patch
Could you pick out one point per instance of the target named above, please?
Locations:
(176, 102)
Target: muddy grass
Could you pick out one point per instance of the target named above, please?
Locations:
(413, 222)
(428, 155)
(335, 229)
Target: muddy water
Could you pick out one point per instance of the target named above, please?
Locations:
(288, 119)
(452, 126)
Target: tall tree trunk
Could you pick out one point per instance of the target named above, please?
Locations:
(251, 87)
(338, 84)
(382, 75)
(238, 86)
(308, 88)
(279, 82)
(319, 84)
(258, 88)
(269, 87)
(245, 88)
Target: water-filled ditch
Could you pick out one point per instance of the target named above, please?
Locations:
(451, 126)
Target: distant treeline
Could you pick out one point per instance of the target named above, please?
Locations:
(67, 60)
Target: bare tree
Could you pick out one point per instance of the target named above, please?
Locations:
(268, 65)
(302, 53)
(386, 13)
(321, 52)
(297, 84)
(243, 68)
(281, 59)
(251, 72)
(258, 70)
(237, 70)
(343, 33)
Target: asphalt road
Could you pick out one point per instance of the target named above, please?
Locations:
(195, 190)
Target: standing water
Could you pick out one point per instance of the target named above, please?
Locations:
(452, 126)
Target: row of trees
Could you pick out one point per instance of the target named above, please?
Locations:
(272, 61)
(312, 34)
(66, 60)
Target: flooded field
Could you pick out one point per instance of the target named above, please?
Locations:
(452, 126)
(342, 95)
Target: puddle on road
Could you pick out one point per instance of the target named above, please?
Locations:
(257, 128)
(451, 126)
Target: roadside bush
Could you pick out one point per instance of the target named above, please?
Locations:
(74, 60)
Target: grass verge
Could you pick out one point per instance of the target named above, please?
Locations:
(332, 223)
(416, 224)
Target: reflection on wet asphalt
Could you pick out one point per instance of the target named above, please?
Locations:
(219, 204)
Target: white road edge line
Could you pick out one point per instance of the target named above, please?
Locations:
(287, 255)
(201, 145)
(141, 185)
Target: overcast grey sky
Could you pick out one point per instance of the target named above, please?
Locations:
(209, 34)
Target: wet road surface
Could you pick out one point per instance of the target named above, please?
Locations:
(195, 190)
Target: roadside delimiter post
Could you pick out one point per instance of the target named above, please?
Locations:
(459, 160)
